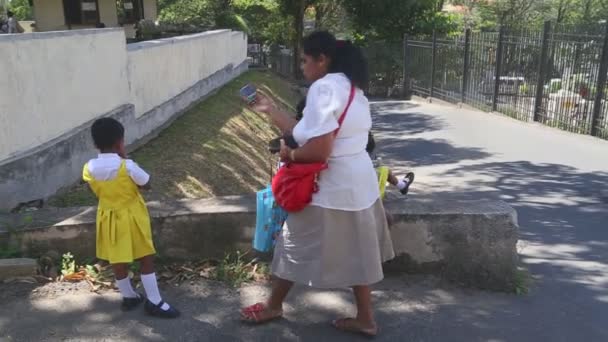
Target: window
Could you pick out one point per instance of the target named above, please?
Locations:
(81, 12)
(130, 11)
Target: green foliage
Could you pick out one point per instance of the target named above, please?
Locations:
(330, 15)
(527, 89)
(147, 29)
(21, 9)
(554, 87)
(68, 264)
(264, 20)
(9, 252)
(488, 14)
(390, 19)
(191, 12)
(234, 270)
(523, 281)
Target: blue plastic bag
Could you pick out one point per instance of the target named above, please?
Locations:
(269, 221)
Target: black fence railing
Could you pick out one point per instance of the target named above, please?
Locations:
(279, 61)
(554, 75)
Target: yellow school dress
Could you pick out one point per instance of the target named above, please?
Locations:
(382, 173)
(123, 223)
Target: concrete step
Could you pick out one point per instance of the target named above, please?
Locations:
(18, 267)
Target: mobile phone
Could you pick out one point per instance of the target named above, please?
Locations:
(274, 146)
(248, 93)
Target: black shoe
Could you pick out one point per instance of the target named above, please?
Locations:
(156, 311)
(129, 304)
(409, 178)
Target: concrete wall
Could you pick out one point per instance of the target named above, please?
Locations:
(159, 70)
(57, 83)
(470, 242)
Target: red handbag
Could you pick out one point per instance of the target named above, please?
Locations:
(295, 183)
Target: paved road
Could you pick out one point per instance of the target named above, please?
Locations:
(557, 181)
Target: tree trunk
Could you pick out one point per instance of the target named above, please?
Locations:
(319, 14)
(300, 8)
(587, 11)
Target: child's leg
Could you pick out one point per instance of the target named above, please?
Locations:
(403, 184)
(392, 179)
(148, 279)
(121, 272)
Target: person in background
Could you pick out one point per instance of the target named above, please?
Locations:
(123, 224)
(402, 185)
(341, 239)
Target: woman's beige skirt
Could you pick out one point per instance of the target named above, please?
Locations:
(328, 248)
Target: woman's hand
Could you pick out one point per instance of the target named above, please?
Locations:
(285, 152)
(122, 152)
(263, 104)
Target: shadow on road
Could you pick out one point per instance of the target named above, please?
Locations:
(563, 215)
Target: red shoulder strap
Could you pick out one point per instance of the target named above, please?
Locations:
(343, 116)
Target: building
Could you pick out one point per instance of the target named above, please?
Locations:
(57, 15)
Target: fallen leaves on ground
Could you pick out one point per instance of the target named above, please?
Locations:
(100, 276)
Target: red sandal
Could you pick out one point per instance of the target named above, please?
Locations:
(259, 314)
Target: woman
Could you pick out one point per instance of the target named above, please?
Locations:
(342, 238)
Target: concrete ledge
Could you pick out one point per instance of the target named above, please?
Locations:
(471, 242)
(20, 267)
(40, 172)
(148, 44)
(54, 34)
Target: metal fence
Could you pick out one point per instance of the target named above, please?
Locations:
(279, 61)
(554, 75)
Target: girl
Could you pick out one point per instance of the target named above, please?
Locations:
(123, 222)
(341, 238)
(403, 185)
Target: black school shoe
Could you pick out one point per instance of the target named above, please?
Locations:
(129, 304)
(410, 179)
(156, 311)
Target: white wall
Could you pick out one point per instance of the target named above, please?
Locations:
(49, 15)
(160, 70)
(53, 82)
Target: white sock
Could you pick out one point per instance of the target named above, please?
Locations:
(126, 290)
(402, 184)
(151, 287)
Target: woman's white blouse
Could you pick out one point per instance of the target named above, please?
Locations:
(350, 183)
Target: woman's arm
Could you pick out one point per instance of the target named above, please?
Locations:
(283, 120)
(316, 150)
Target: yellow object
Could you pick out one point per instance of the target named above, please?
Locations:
(123, 223)
(382, 172)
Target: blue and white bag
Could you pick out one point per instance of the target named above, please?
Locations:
(269, 221)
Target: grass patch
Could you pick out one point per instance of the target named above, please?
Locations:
(9, 253)
(523, 280)
(217, 148)
(236, 271)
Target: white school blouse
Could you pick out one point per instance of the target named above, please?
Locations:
(106, 165)
(350, 183)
